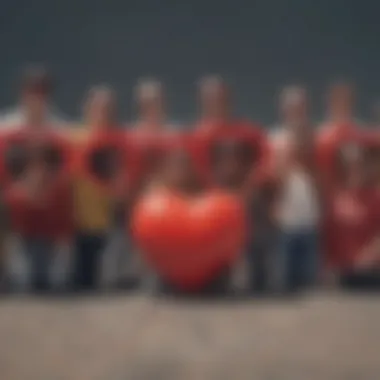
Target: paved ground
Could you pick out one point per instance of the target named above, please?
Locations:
(323, 337)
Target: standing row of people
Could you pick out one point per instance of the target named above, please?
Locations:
(311, 195)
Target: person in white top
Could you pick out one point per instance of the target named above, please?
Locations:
(297, 206)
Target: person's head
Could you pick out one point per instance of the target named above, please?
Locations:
(100, 107)
(150, 100)
(293, 106)
(215, 98)
(340, 101)
(36, 89)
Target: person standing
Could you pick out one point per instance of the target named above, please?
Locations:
(153, 135)
(297, 205)
(93, 203)
(38, 200)
(353, 217)
(234, 152)
(40, 216)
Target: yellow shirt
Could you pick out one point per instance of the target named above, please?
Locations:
(92, 206)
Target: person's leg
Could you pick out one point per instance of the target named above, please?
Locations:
(94, 260)
(296, 262)
(308, 259)
(87, 260)
(18, 268)
(116, 257)
(256, 262)
(41, 255)
(83, 251)
(287, 252)
(60, 270)
(129, 262)
(367, 281)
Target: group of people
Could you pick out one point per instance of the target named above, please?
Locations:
(311, 192)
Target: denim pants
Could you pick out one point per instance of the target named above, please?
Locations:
(36, 264)
(260, 258)
(89, 249)
(119, 261)
(368, 280)
(298, 259)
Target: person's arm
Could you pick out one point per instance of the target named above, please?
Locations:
(370, 255)
(63, 209)
(263, 171)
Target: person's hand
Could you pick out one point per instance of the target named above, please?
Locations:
(368, 257)
(365, 263)
(119, 188)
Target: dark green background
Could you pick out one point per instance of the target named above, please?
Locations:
(258, 45)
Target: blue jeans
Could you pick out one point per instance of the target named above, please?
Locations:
(87, 260)
(299, 261)
(40, 255)
(260, 259)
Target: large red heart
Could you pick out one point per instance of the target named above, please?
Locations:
(189, 241)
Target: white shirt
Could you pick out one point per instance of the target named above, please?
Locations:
(298, 203)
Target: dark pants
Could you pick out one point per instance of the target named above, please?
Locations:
(369, 280)
(299, 259)
(40, 256)
(87, 260)
(260, 260)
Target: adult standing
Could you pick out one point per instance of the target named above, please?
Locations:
(234, 152)
(298, 205)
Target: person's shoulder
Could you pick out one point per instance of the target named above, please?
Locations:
(10, 129)
(10, 118)
(324, 133)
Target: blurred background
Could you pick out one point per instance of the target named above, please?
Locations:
(258, 46)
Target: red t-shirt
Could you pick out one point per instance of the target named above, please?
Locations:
(212, 136)
(353, 220)
(152, 146)
(329, 140)
(52, 219)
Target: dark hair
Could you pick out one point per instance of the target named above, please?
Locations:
(37, 78)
